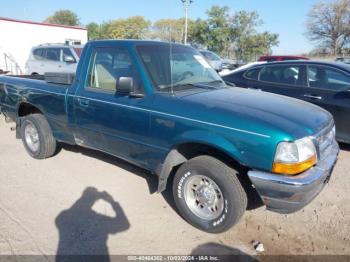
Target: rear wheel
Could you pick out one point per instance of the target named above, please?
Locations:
(37, 136)
(208, 194)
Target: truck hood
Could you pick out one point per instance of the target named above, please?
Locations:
(260, 111)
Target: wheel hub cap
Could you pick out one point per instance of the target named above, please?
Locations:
(32, 137)
(203, 197)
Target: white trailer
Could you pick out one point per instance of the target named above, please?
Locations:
(17, 37)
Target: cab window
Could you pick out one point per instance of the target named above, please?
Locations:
(107, 65)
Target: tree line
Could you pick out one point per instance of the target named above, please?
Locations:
(229, 34)
(233, 35)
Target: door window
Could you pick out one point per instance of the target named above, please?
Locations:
(327, 78)
(39, 54)
(107, 66)
(253, 73)
(53, 54)
(67, 52)
(286, 74)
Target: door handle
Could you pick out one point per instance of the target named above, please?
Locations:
(83, 102)
(313, 97)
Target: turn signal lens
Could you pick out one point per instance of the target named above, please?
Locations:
(292, 158)
(293, 169)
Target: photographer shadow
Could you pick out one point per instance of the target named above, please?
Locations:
(83, 233)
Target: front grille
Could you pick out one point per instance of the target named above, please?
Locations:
(324, 141)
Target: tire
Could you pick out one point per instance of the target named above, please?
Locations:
(35, 128)
(227, 194)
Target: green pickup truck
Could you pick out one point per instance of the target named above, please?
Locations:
(162, 107)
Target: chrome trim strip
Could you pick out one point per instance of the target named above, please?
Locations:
(160, 113)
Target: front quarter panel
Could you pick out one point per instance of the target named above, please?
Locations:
(183, 122)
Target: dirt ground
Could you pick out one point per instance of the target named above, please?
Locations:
(68, 203)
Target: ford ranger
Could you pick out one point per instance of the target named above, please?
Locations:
(161, 106)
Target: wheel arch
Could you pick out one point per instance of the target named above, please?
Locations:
(193, 145)
(25, 108)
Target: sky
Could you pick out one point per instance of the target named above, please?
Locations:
(284, 17)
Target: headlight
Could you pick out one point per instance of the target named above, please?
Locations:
(294, 157)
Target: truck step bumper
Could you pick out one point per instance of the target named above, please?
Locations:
(288, 194)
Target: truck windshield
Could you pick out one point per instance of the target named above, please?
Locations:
(176, 67)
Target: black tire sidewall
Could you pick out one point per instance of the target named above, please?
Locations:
(227, 218)
(31, 120)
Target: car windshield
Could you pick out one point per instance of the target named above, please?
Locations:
(177, 67)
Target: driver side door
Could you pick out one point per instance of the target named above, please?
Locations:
(328, 88)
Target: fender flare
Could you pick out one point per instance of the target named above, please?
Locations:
(173, 159)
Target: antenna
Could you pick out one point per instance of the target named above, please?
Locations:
(171, 65)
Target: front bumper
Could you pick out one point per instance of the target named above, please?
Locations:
(288, 194)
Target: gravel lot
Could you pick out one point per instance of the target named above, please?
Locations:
(68, 203)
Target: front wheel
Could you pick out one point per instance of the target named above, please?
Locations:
(208, 194)
(37, 136)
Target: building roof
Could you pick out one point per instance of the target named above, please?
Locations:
(40, 23)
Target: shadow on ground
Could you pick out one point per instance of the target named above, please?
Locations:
(254, 201)
(226, 253)
(151, 180)
(83, 233)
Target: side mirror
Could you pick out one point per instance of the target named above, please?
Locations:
(125, 86)
(69, 59)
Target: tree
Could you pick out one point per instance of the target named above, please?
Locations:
(218, 28)
(248, 43)
(93, 31)
(169, 30)
(249, 47)
(329, 24)
(96, 31)
(63, 17)
(234, 34)
(135, 27)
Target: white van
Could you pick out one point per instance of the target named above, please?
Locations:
(53, 58)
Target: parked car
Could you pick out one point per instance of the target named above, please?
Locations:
(231, 64)
(345, 60)
(275, 58)
(324, 84)
(53, 58)
(2, 72)
(217, 143)
(249, 65)
(213, 59)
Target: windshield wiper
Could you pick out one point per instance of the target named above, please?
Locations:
(213, 82)
(195, 85)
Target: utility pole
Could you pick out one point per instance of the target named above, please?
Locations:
(186, 4)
